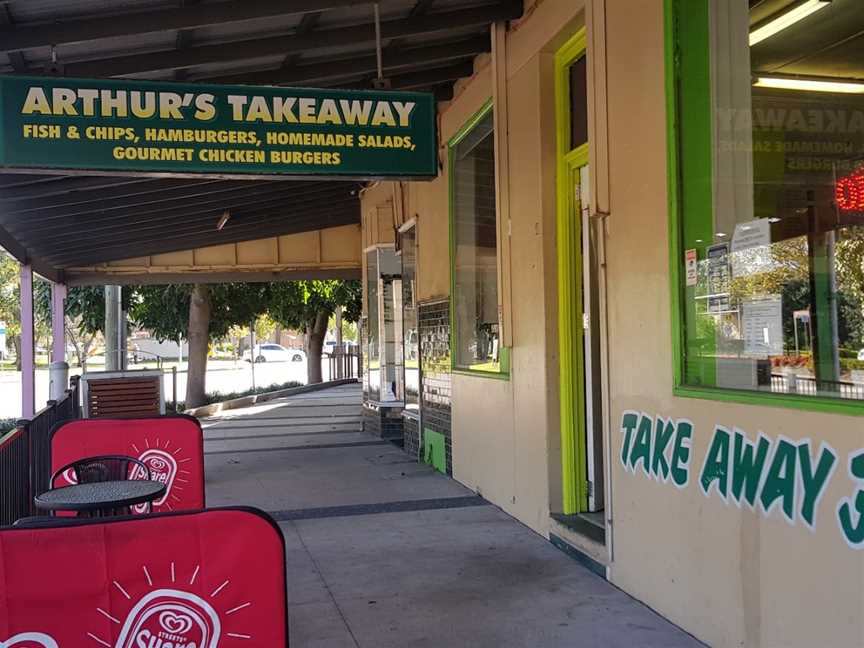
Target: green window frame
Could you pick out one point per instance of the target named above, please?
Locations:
(690, 190)
(501, 368)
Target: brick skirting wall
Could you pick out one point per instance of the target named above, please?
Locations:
(411, 436)
(384, 422)
(435, 382)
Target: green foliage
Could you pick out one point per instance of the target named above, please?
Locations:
(164, 310)
(10, 311)
(6, 425)
(296, 304)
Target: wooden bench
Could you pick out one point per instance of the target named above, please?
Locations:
(117, 394)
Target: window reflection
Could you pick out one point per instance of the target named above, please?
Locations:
(775, 279)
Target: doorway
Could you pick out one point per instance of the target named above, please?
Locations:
(578, 295)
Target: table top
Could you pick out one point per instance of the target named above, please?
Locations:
(100, 495)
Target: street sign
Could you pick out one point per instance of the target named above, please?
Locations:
(130, 125)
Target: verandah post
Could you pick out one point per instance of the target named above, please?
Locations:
(58, 370)
(28, 364)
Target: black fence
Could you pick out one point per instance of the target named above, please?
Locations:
(344, 364)
(791, 384)
(25, 456)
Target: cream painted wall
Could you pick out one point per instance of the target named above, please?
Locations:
(503, 430)
(329, 252)
(733, 577)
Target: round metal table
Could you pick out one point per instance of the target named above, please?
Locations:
(100, 499)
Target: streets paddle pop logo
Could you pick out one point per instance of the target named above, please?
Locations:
(169, 618)
(163, 468)
(168, 615)
(29, 640)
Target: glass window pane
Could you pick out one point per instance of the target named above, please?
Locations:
(774, 296)
(410, 333)
(579, 103)
(476, 250)
(371, 331)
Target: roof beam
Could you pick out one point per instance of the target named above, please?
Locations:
(267, 212)
(148, 191)
(59, 186)
(357, 66)
(305, 42)
(42, 268)
(97, 222)
(15, 58)
(157, 20)
(310, 221)
(422, 78)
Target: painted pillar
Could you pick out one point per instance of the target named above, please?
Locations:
(58, 370)
(823, 318)
(58, 328)
(28, 364)
(113, 309)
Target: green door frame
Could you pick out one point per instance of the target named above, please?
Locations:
(569, 247)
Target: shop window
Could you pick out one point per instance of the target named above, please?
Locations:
(475, 248)
(578, 102)
(770, 166)
(372, 329)
(383, 326)
(410, 331)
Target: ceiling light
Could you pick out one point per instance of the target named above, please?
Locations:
(223, 220)
(810, 85)
(786, 19)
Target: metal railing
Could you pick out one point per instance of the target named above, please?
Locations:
(793, 384)
(25, 456)
(344, 364)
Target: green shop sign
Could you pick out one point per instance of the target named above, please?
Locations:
(122, 126)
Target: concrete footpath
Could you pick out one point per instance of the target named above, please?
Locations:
(384, 552)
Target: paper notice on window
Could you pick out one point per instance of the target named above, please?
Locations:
(762, 320)
(751, 248)
(691, 261)
(718, 278)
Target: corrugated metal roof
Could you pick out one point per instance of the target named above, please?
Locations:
(36, 11)
(428, 44)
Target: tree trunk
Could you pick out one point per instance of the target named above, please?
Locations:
(16, 344)
(315, 333)
(199, 339)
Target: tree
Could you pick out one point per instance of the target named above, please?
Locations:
(10, 308)
(200, 313)
(84, 315)
(307, 306)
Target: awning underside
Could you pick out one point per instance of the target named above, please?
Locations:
(59, 222)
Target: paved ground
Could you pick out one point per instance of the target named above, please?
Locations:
(383, 552)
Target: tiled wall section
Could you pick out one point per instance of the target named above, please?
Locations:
(434, 324)
(385, 422)
(411, 436)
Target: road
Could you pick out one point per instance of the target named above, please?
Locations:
(223, 376)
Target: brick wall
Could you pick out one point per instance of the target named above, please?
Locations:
(411, 436)
(434, 326)
(384, 422)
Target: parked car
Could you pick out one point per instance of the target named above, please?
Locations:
(274, 353)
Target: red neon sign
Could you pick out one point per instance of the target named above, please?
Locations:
(849, 192)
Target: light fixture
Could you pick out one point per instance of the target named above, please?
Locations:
(721, 235)
(810, 85)
(786, 19)
(223, 220)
